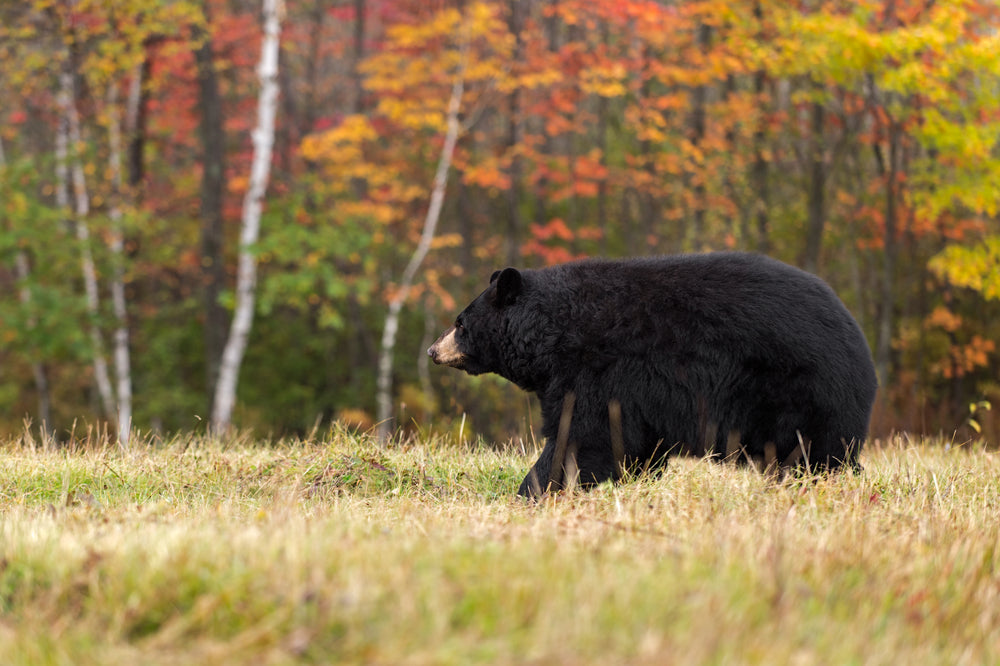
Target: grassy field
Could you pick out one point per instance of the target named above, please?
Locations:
(337, 551)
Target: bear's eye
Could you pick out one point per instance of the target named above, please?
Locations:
(459, 327)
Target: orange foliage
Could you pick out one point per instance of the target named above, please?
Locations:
(555, 228)
(943, 318)
(966, 359)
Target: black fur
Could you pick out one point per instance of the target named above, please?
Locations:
(701, 351)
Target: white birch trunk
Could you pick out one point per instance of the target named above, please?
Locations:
(69, 134)
(246, 275)
(123, 373)
(22, 271)
(388, 346)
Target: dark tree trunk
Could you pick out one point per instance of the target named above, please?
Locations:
(515, 20)
(550, 27)
(212, 188)
(135, 127)
(359, 185)
(738, 228)
(888, 167)
(466, 227)
(759, 171)
(696, 132)
(817, 190)
(602, 145)
(649, 202)
(359, 55)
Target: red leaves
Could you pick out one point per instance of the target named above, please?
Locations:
(549, 240)
(555, 228)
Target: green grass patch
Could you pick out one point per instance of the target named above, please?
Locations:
(336, 550)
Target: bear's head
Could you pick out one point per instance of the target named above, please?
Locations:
(476, 342)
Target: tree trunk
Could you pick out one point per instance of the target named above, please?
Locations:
(550, 28)
(246, 276)
(359, 55)
(759, 171)
(602, 145)
(649, 201)
(359, 185)
(514, 22)
(135, 124)
(888, 169)
(385, 362)
(696, 131)
(69, 135)
(817, 191)
(213, 142)
(123, 373)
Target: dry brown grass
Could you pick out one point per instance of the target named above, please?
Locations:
(335, 550)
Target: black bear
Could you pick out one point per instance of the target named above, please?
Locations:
(730, 355)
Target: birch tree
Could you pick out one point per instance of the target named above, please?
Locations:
(388, 346)
(246, 276)
(123, 372)
(68, 135)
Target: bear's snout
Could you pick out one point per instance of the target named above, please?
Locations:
(445, 350)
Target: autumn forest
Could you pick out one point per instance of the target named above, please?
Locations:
(394, 153)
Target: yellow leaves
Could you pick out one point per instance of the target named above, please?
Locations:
(975, 409)
(342, 144)
(406, 193)
(15, 204)
(531, 80)
(421, 115)
(975, 267)
(983, 54)
(413, 72)
(604, 79)
(447, 41)
(413, 36)
(484, 70)
(399, 73)
(446, 240)
(381, 214)
(357, 128)
(480, 20)
(120, 31)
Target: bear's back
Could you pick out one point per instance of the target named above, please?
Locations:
(724, 313)
(712, 298)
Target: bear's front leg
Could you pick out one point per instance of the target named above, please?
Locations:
(536, 483)
(581, 450)
(586, 457)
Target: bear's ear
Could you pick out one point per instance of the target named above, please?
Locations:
(508, 286)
